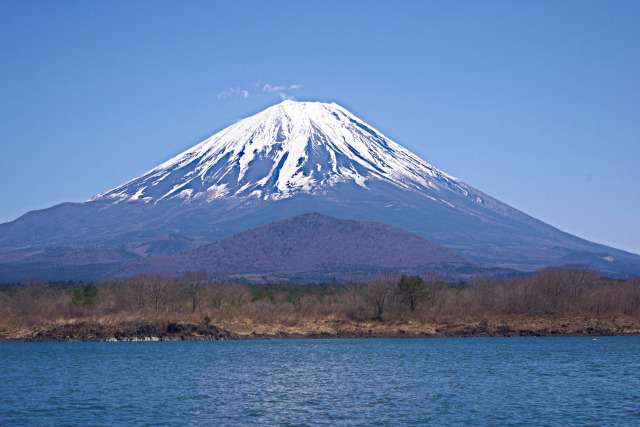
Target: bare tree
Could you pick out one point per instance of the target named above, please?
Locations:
(138, 286)
(31, 298)
(310, 305)
(150, 290)
(434, 283)
(158, 289)
(482, 289)
(216, 294)
(378, 291)
(551, 288)
(194, 285)
(579, 279)
(353, 292)
(236, 295)
(631, 301)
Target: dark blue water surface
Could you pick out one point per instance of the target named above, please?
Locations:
(476, 381)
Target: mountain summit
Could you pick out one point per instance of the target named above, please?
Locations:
(291, 159)
(285, 150)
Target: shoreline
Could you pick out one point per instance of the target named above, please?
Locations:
(190, 331)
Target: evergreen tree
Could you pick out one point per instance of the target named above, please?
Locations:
(86, 296)
(413, 290)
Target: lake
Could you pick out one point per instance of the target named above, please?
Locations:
(478, 381)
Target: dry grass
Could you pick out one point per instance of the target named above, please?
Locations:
(565, 300)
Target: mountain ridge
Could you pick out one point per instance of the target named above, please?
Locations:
(295, 158)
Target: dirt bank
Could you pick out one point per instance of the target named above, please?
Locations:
(185, 331)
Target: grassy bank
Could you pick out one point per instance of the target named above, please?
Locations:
(570, 300)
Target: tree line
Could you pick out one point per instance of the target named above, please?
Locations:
(552, 292)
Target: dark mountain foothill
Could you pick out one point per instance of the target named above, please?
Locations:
(310, 245)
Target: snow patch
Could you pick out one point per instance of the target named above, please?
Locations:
(138, 193)
(184, 194)
(216, 191)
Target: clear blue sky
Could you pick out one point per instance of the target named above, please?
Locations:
(535, 103)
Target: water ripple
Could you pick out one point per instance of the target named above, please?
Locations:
(505, 381)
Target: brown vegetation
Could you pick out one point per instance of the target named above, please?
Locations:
(556, 300)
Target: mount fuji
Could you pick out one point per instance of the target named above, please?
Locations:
(289, 149)
(296, 158)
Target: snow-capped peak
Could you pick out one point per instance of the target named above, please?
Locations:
(287, 149)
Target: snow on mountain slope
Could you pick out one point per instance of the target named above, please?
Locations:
(297, 158)
(288, 149)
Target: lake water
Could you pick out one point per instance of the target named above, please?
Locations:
(476, 381)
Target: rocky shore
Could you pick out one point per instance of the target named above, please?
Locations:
(126, 332)
(184, 331)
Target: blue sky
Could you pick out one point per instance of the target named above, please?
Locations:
(534, 103)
